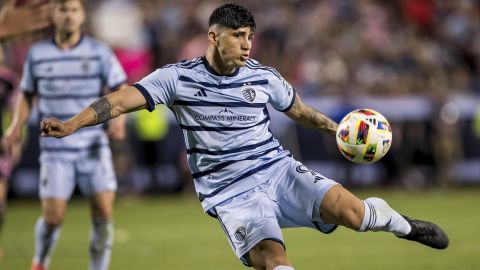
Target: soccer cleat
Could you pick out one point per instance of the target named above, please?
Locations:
(36, 266)
(426, 233)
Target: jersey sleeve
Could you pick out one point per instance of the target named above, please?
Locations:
(113, 73)
(27, 82)
(282, 94)
(159, 87)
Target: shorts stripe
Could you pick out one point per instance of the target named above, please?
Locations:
(226, 232)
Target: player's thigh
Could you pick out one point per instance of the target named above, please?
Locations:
(57, 179)
(101, 204)
(340, 206)
(96, 175)
(247, 219)
(299, 192)
(53, 210)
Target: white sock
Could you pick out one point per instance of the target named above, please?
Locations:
(283, 267)
(101, 240)
(379, 216)
(45, 239)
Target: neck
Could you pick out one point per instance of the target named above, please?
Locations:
(67, 40)
(216, 62)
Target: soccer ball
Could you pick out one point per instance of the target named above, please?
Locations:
(364, 136)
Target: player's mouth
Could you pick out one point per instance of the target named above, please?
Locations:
(244, 57)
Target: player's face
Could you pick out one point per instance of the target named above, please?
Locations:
(69, 16)
(234, 46)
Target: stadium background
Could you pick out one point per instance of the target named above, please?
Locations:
(415, 61)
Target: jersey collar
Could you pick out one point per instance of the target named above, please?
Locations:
(73, 46)
(213, 72)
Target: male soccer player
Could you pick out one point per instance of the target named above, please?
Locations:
(8, 90)
(66, 73)
(242, 174)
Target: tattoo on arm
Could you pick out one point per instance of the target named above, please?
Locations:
(311, 118)
(320, 120)
(102, 109)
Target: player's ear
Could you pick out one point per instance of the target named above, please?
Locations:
(213, 34)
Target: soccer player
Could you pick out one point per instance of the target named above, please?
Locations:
(242, 175)
(65, 74)
(8, 90)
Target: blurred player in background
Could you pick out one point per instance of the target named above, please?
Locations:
(242, 174)
(20, 17)
(8, 87)
(65, 74)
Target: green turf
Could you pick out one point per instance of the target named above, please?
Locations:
(173, 233)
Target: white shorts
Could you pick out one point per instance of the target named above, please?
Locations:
(59, 177)
(290, 198)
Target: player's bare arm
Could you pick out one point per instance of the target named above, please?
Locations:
(110, 106)
(21, 113)
(311, 118)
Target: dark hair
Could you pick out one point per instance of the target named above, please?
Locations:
(232, 16)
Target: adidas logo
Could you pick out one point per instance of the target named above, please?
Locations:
(201, 93)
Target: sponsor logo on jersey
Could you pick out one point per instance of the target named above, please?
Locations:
(226, 118)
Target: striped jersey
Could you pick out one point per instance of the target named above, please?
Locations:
(66, 81)
(224, 120)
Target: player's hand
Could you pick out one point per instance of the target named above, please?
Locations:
(34, 15)
(54, 128)
(10, 140)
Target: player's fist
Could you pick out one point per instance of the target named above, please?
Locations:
(54, 128)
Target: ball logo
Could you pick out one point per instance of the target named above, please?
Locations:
(240, 233)
(249, 94)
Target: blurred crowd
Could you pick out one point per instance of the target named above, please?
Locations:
(329, 47)
(324, 48)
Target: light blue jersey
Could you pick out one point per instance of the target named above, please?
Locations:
(225, 122)
(66, 81)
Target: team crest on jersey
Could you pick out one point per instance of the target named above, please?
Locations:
(249, 94)
(85, 65)
(240, 233)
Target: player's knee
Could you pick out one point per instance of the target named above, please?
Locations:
(53, 219)
(267, 255)
(269, 262)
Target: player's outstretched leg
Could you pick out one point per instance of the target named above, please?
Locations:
(374, 214)
(379, 216)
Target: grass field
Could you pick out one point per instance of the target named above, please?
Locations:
(172, 233)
